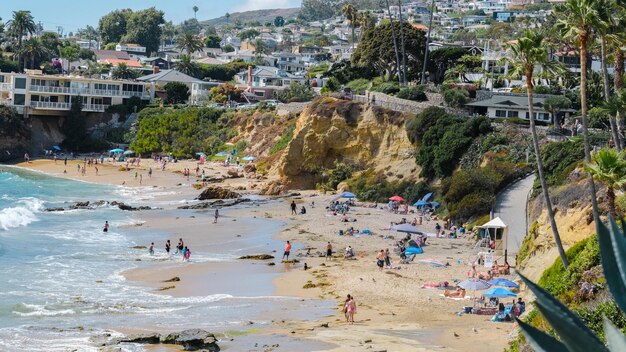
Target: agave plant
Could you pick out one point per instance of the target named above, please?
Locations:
(574, 335)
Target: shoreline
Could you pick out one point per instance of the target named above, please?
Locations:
(394, 312)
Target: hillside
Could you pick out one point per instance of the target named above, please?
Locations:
(265, 15)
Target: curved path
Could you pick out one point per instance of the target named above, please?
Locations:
(511, 207)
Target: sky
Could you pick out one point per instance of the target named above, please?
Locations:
(74, 14)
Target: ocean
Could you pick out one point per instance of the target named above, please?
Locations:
(61, 282)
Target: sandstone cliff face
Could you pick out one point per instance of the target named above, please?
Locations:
(330, 130)
(260, 130)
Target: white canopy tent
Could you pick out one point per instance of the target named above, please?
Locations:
(496, 230)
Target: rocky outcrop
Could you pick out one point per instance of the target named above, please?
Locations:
(217, 193)
(258, 257)
(274, 188)
(332, 130)
(91, 205)
(192, 340)
(216, 203)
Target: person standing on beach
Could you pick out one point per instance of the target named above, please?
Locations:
(150, 172)
(293, 208)
(106, 227)
(345, 307)
(217, 215)
(65, 161)
(287, 250)
(151, 249)
(167, 247)
(351, 310)
(387, 258)
(179, 247)
(380, 260)
(329, 251)
(187, 254)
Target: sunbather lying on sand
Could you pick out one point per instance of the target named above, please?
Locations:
(460, 293)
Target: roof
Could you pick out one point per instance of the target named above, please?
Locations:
(494, 223)
(210, 61)
(111, 54)
(509, 101)
(169, 76)
(129, 63)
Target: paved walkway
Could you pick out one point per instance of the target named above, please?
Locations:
(511, 207)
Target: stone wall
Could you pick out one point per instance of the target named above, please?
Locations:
(403, 105)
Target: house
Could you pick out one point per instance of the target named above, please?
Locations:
(199, 89)
(117, 62)
(262, 82)
(111, 54)
(513, 106)
(155, 61)
(39, 94)
(131, 49)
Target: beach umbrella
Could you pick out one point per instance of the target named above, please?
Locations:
(420, 203)
(56, 147)
(498, 292)
(474, 284)
(129, 152)
(347, 195)
(397, 198)
(427, 197)
(221, 154)
(116, 150)
(248, 158)
(432, 262)
(200, 154)
(434, 204)
(499, 281)
(408, 228)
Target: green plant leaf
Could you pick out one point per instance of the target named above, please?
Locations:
(612, 252)
(574, 334)
(539, 340)
(614, 337)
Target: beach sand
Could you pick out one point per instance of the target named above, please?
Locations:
(393, 312)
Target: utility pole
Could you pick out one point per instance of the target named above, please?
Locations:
(395, 43)
(430, 29)
(402, 43)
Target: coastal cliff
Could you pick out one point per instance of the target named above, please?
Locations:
(332, 130)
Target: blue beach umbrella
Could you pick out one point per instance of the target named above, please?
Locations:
(407, 228)
(348, 195)
(420, 203)
(200, 154)
(434, 204)
(221, 154)
(474, 284)
(129, 152)
(248, 158)
(499, 281)
(56, 147)
(427, 197)
(116, 150)
(498, 292)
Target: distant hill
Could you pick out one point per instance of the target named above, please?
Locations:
(266, 15)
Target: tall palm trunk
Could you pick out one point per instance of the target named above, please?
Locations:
(618, 84)
(403, 46)
(542, 177)
(610, 195)
(353, 39)
(395, 42)
(583, 107)
(605, 83)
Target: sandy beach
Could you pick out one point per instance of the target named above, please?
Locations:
(394, 312)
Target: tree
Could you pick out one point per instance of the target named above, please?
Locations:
(225, 93)
(21, 23)
(279, 21)
(195, 12)
(248, 34)
(609, 167)
(122, 71)
(228, 48)
(261, 48)
(576, 21)
(316, 10)
(556, 104)
(70, 54)
(186, 66)
(177, 92)
(456, 97)
(168, 32)
(89, 33)
(352, 15)
(526, 53)
(144, 28)
(297, 92)
(189, 42)
(74, 127)
(441, 60)
(212, 41)
(112, 26)
(376, 50)
(33, 52)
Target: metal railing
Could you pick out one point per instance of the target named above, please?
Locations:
(66, 106)
(83, 91)
(5, 86)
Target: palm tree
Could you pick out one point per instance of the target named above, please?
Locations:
(352, 15)
(186, 66)
(609, 167)
(525, 54)
(616, 38)
(20, 24)
(34, 50)
(189, 43)
(122, 71)
(577, 19)
(195, 12)
(395, 42)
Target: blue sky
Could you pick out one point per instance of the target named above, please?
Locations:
(74, 14)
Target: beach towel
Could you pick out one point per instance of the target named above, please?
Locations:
(455, 298)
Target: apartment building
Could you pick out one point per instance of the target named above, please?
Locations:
(33, 93)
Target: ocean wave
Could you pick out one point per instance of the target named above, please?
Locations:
(20, 215)
(38, 310)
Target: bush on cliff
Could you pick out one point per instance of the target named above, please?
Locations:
(373, 186)
(415, 93)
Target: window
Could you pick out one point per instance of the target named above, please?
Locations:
(259, 93)
(1, 79)
(513, 114)
(19, 99)
(500, 113)
(20, 83)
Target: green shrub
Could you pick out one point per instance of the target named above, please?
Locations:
(415, 93)
(284, 140)
(333, 177)
(297, 92)
(387, 88)
(359, 86)
(373, 187)
(417, 127)
(560, 158)
(456, 97)
(592, 316)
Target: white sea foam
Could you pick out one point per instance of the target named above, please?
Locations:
(20, 215)
(38, 310)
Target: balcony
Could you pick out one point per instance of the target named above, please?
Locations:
(45, 105)
(5, 87)
(89, 92)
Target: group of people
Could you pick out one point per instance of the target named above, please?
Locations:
(383, 259)
(294, 209)
(181, 249)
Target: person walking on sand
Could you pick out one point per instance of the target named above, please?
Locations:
(351, 310)
(380, 260)
(387, 258)
(293, 208)
(217, 215)
(106, 227)
(151, 249)
(187, 254)
(329, 251)
(345, 307)
(168, 245)
(287, 250)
